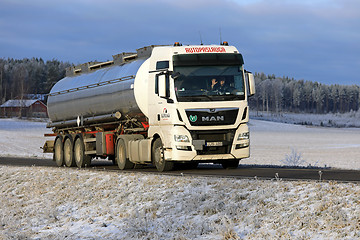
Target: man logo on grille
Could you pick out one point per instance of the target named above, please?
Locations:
(193, 118)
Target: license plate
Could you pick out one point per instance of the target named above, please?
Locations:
(214, 144)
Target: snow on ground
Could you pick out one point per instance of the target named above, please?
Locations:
(349, 119)
(22, 138)
(61, 203)
(270, 143)
(319, 146)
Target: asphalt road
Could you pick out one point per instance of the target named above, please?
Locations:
(259, 172)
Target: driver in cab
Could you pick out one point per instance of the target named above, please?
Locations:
(219, 86)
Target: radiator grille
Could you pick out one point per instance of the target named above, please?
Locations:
(224, 136)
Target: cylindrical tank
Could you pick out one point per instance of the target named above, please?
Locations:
(104, 91)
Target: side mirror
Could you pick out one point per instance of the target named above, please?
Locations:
(162, 87)
(251, 80)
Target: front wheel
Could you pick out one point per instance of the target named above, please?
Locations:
(158, 157)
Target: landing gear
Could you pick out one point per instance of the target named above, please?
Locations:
(158, 157)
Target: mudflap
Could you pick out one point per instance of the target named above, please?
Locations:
(48, 146)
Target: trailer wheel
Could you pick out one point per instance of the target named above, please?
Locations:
(158, 157)
(69, 153)
(230, 164)
(59, 152)
(80, 158)
(121, 159)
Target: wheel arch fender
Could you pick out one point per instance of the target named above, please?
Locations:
(155, 136)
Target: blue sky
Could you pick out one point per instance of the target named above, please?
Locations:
(315, 40)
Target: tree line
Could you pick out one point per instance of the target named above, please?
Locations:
(276, 94)
(273, 94)
(28, 76)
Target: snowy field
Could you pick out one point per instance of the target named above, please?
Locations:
(318, 146)
(22, 138)
(62, 203)
(349, 119)
(270, 143)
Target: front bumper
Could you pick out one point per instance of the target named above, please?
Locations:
(209, 145)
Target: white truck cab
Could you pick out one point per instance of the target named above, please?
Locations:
(195, 98)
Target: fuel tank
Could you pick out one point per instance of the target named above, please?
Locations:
(97, 93)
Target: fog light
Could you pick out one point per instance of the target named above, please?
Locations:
(241, 145)
(185, 148)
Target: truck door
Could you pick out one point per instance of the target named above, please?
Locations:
(162, 91)
(161, 104)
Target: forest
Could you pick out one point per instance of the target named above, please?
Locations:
(273, 94)
(28, 76)
(284, 94)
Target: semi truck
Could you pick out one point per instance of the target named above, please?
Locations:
(160, 105)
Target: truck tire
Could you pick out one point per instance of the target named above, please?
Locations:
(80, 158)
(158, 157)
(69, 153)
(230, 164)
(121, 157)
(59, 152)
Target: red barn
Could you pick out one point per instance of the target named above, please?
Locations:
(24, 108)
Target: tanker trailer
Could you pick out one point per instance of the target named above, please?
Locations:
(161, 105)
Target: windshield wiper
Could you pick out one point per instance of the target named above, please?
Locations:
(206, 96)
(195, 98)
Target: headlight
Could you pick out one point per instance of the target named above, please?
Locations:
(181, 138)
(243, 136)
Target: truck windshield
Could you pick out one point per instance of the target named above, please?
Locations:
(209, 83)
(209, 77)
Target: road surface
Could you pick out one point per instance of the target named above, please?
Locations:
(243, 171)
